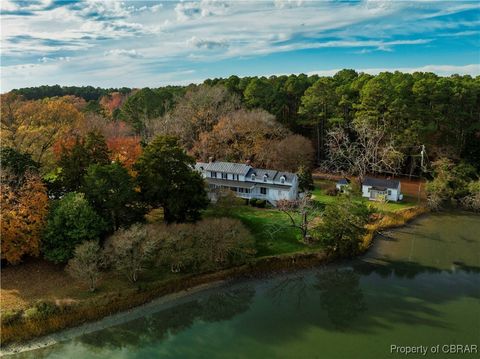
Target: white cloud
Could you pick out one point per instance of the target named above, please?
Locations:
(191, 33)
(122, 52)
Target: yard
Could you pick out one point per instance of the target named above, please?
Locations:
(37, 279)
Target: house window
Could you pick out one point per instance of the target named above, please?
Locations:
(282, 179)
(234, 189)
(369, 188)
(253, 176)
(214, 174)
(389, 192)
(263, 190)
(247, 190)
(237, 177)
(265, 176)
(240, 189)
(224, 175)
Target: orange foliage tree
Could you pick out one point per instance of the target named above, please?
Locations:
(33, 126)
(23, 210)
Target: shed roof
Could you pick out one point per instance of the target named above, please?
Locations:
(343, 181)
(380, 182)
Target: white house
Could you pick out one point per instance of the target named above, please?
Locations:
(377, 189)
(342, 184)
(248, 182)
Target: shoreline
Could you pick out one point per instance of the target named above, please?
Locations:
(170, 291)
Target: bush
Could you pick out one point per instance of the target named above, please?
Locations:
(86, 263)
(259, 203)
(130, 250)
(11, 316)
(331, 191)
(41, 310)
(206, 245)
(71, 221)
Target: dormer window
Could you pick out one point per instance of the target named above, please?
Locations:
(253, 176)
(265, 176)
(282, 179)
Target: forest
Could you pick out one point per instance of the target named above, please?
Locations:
(80, 163)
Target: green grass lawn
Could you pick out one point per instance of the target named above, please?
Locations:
(321, 187)
(270, 228)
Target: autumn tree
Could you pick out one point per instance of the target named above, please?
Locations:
(33, 126)
(288, 153)
(167, 179)
(86, 264)
(240, 136)
(198, 111)
(70, 222)
(24, 203)
(129, 250)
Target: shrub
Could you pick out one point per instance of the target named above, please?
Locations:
(206, 245)
(10, 317)
(41, 310)
(130, 250)
(71, 221)
(253, 202)
(87, 263)
(331, 191)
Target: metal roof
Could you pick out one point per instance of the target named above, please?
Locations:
(273, 177)
(200, 166)
(227, 167)
(380, 182)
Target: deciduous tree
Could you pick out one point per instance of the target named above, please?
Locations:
(86, 264)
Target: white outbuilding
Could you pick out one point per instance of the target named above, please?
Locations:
(378, 189)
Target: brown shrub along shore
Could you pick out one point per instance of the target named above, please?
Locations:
(19, 329)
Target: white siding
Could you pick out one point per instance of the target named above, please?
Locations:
(394, 195)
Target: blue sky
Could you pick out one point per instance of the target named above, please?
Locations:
(151, 43)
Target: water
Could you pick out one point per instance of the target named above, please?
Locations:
(419, 285)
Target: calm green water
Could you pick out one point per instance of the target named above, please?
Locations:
(420, 285)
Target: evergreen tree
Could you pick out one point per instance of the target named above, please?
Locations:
(167, 179)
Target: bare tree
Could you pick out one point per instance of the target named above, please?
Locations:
(198, 111)
(129, 250)
(303, 214)
(362, 149)
(87, 263)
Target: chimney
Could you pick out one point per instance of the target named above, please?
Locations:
(210, 159)
(247, 162)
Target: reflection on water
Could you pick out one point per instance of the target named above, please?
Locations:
(418, 286)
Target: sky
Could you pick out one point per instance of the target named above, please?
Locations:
(151, 43)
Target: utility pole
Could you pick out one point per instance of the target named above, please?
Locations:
(422, 167)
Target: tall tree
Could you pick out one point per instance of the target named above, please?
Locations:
(75, 160)
(167, 179)
(111, 192)
(318, 104)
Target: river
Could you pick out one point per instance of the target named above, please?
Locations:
(418, 286)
